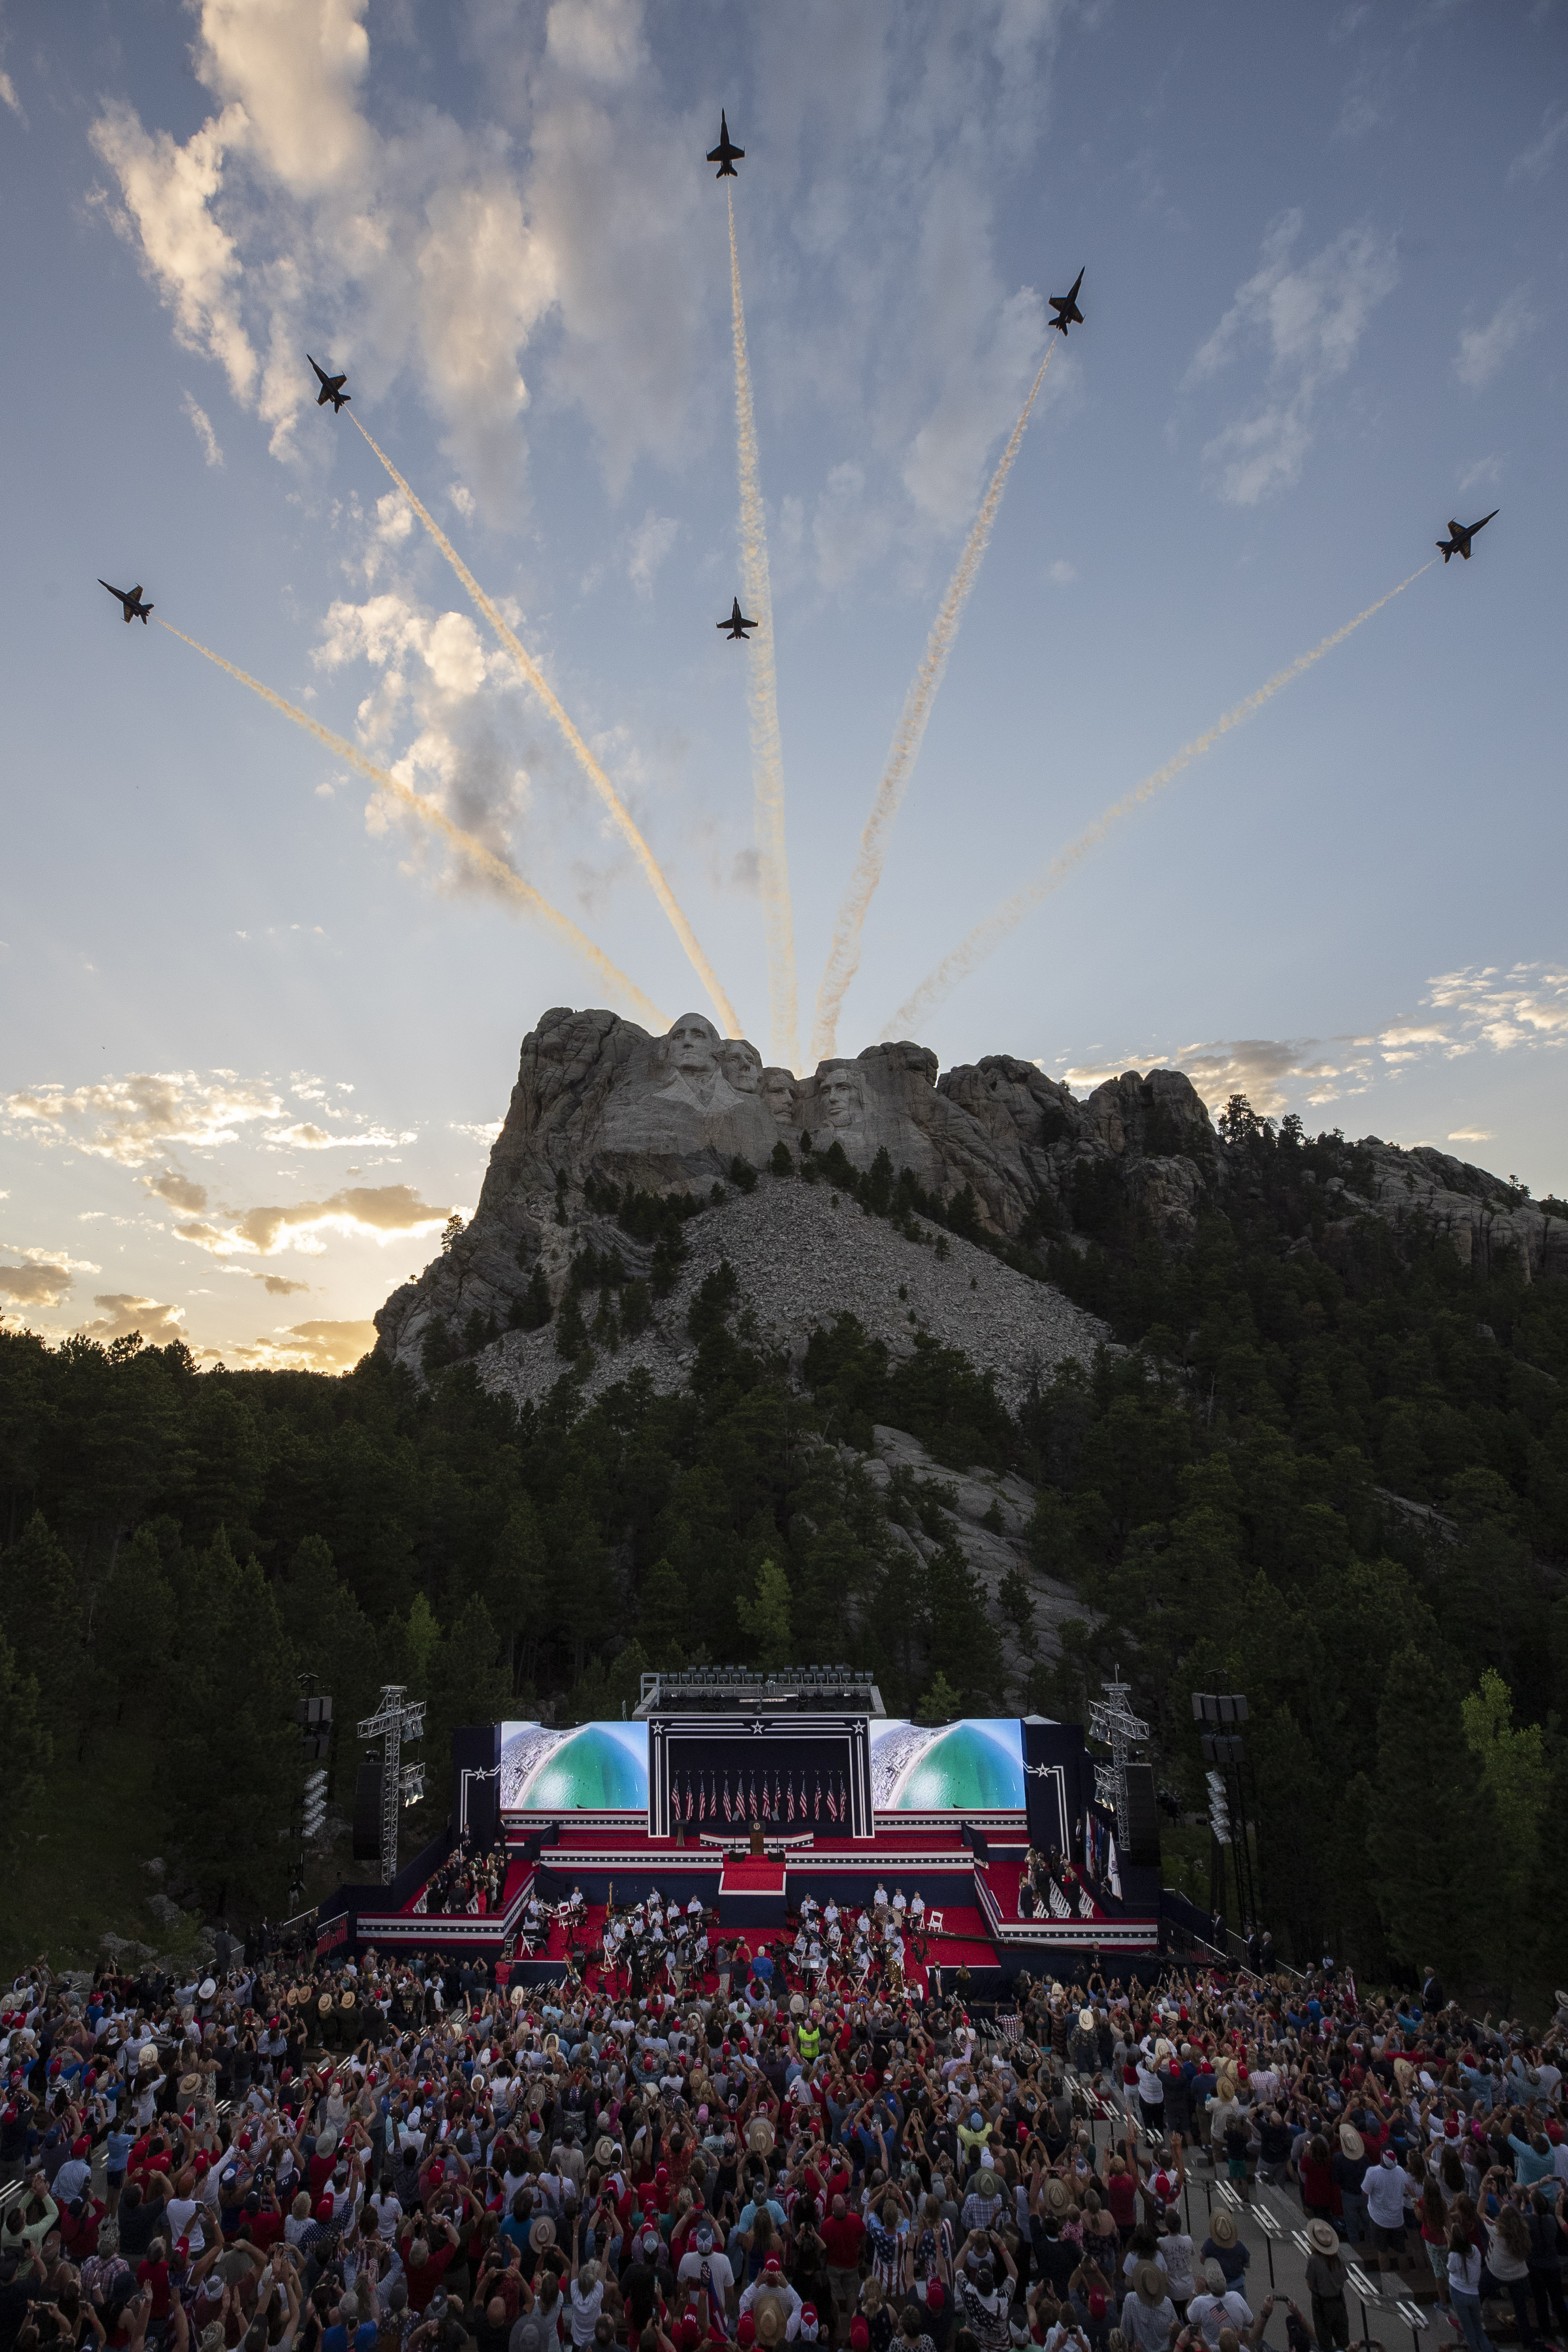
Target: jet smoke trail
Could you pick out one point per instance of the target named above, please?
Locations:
(844, 955)
(762, 698)
(437, 818)
(1006, 918)
(585, 758)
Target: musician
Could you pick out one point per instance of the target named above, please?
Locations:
(917, 1911)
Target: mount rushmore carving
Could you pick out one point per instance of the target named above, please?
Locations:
(597, 1102)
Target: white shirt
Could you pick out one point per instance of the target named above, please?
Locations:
(1387, 2189)
(1212, 2312)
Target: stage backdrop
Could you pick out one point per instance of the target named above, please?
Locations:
(594, 1768)
(974, 1766)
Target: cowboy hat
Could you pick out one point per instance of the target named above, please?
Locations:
(604, 2150)
(207, 1989)
(189, 2085)
(1323, 2235)
(1222, 2228)
(759, 2135)
(797, 2004)
(518, 1996)
(551, 2045)
(1150, 2282)
(541, 2233)
(1351, 2142)
(325, 2003)
(769, 2324)
(1086, 2019)
(1057, 2199)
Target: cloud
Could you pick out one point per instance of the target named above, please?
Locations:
(383, 1212)
(1470, 1135)
(461, 698)
(1536, 161)
(122, 1313)
(202, 424)
(308, 1136)
(1309, 320)
(478, 1130)
(1479, 1008)
(651, 540)
(137, 1119)
(178, 1190)
(43, 1283)
(277, 1286)
(1483, 351)
(319, 1346)
(1064, 572)
(9, 98)
(1488, 470)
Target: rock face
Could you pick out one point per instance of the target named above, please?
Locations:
(599, 1102)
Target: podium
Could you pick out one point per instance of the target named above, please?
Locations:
(756, 1845)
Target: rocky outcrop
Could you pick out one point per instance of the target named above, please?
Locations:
(600, 1104)
(1489, 1222)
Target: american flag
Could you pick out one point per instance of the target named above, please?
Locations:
(765, 1814)
(818, 1815)
(754, 1812)
(726, 1795)
(790, 1801)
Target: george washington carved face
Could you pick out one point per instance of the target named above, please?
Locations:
(692, 1047)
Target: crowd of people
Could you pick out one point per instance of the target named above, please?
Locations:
(471, 1880)
(509, 2167)
(659, 1943)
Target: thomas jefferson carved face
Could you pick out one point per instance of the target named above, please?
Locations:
(839, 1095)
(742, 1066)
(779, 1094)
(692, 1047)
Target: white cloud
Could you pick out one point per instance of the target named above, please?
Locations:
(1479, 1008)
(178, 1190)
(462, 498)
(122, 1313)
(382, 1211)
(318, 1347)
(1064, 572)
(1483, 351)
(8, 97)
(651, 540)
(306, 1136)
(137, 1119)
(484, 1130)
(1536, 161)
(1309, 320)
(1486, 470)
(1472, 1134)
(38, 1282)
(202, 425)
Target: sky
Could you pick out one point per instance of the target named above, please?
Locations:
(261, 1010)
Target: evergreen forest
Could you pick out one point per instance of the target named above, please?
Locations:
(1335, 1481)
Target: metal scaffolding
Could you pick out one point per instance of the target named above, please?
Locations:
(396, 1719)
(1113, 1721)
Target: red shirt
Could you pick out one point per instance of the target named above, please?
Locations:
(423, 2278)
(156, 2276)
(1121, 2196)
(842, 2240)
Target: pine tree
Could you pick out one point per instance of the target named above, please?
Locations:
(764, 1620)
(40, 1603)
(132, 1618)
(237, 1769)
(941, 1703)
(26, 1751)
(1429, 1841)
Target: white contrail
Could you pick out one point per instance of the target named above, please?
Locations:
(585, 758)
(844, 955)
(973, 950)
(762, 699)
(476, 851)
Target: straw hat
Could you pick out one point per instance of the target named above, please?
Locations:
(348, 1999)
(1057, 2199)
(1086, 2019)
(1351, 2142)
(1222, 2228)
(760, 2137)
(325, 2003)
(541, 2233)
(551, 2045)
(604, 2151)
(1150, 2282)
(189, 2085)
(518, 1996)
(770, 2323)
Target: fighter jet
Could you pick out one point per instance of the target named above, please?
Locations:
(737, 625)
(726, 156)
(1461, 535)
(331, 388)
(1066, 307)
(135, 610)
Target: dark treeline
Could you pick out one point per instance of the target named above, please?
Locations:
(181, 1547)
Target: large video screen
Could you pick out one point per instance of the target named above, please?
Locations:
(592, 1767)
(974, 1766)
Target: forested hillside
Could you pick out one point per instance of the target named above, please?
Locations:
(1328, 1465)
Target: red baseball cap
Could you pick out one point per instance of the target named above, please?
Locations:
(747, 2332)
(935, 2295)
(860, 2335)
(325, 2209)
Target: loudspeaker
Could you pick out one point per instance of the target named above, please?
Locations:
(367, 1814)
(1143, 1818)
